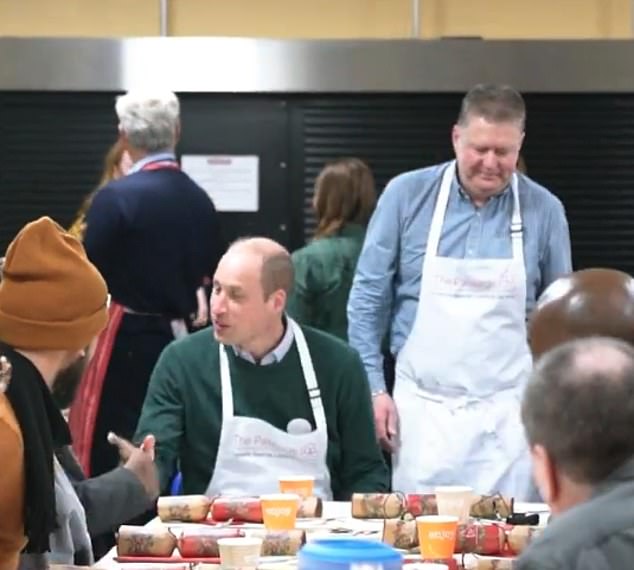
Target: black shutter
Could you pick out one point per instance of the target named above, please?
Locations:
(580, 146)
(51, 150)
(391, 133)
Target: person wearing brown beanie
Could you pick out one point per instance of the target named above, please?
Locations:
(53, 304)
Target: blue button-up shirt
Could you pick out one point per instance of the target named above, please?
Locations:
(386, 287)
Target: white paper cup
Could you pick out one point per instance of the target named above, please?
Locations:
(454, 501)
(240, 553)
(426, 566)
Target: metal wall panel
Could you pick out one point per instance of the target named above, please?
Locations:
(232, 65)
(51, 151)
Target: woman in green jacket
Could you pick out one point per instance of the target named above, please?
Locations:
(344, 200)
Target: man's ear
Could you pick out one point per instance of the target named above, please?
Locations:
(545, 474)
(279, 299)
(455, 137)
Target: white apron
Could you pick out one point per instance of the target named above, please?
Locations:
(461, 374)
(252, 453)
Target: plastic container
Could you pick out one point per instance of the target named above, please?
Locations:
(348, 554)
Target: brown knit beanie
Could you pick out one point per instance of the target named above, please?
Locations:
(51, 296)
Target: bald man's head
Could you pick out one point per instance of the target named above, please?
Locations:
(276, 264)
(250, 290)
(579, 407)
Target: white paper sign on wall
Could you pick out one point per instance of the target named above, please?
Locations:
(232, 181)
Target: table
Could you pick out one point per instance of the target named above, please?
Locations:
(332, 511)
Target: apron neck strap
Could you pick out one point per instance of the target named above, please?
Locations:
(314, 393)
(225, 384)
(440, 210)
(308, 372)
(517, 228)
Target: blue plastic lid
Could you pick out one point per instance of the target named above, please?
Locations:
(349, 550)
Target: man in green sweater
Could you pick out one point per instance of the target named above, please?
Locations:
(261, 397)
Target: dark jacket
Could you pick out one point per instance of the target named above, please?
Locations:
(595, 535)
(154, 236)
(109, 500)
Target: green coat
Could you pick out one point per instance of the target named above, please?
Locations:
(324, 270)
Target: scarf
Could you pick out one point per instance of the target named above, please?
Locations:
(43, 428)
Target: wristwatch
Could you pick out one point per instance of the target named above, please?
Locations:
(378, 392)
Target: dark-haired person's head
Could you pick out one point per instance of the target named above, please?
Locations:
(578, 414)
(344, 194)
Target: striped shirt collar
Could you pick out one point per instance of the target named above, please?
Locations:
(275, 355)
(154, 157)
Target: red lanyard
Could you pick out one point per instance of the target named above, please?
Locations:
(161, 165)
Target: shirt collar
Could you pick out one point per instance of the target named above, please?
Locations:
(154, 157)
(456, 187)
(277, 354)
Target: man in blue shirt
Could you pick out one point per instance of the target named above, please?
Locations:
(454, 258)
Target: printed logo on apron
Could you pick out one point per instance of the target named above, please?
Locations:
(252, 454)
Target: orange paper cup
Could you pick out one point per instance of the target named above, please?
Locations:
(302, 485)
(437, 536)
(279, 512)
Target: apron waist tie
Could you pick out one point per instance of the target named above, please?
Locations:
(439, 393)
